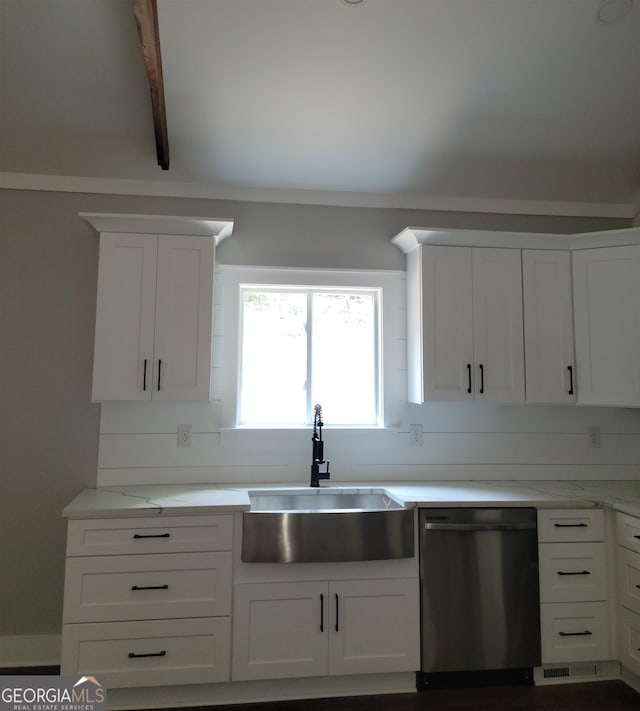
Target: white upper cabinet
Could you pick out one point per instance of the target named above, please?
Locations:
(548, 326)
(606, 283)
(465, 336)
(154, 308)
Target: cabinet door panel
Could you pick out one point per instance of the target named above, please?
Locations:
(575, 632)
(184, 297)
(279, 630)
(497, 325)
(373, 626)
(448, 327)
(607, 325)
(548, 321)
(124, 317)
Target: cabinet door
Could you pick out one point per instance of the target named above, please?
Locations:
(447, 323)
(607, 325)
(374, 626)
(548, 326)
(279, 630)
(123, 354)
(497, 325)
(184, 302)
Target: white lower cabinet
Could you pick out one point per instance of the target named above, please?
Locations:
(575, 614)
(628, 530)
(301, 629)
(155, 608)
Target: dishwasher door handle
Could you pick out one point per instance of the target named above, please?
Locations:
(472, 527)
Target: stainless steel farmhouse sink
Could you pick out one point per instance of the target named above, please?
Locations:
(325, 525)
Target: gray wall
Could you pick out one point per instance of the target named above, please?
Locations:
(48, 267)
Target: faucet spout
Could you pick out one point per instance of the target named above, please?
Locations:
(317, 456)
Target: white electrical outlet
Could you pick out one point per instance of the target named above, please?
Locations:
(415, 435)
(594, 436)
(184, 435)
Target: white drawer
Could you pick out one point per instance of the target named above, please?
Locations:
(575, 632)
(629, 639)
(628, 531)
(145, 587)
(572, 572)
(560, 525)
(629, 578)
(149, 653)
(157, 534)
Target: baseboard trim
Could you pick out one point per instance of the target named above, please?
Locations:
(630, 678)
(33, 650)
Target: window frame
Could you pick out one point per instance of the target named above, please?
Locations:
(309, 291)
(228, 335)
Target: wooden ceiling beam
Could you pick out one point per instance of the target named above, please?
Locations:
(146, 14)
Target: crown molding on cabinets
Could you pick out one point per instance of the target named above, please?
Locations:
(412, 237)
(217, 228)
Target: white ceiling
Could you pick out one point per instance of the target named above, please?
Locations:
(393, 102)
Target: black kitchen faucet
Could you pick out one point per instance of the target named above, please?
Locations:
(318, 450)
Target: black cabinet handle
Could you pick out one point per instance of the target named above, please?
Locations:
(570, 525)
(134, 655)
(481, 379)
(159, 372)
(575, 634)
(638, 537)
(578, 572)
(149, 587)
(144, 375)
(152, 535)
(469, 376)
(321, 612)
(570, 369)
(337, 612)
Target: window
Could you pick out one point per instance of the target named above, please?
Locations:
(302, 345)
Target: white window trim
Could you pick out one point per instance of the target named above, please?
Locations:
(227, 332)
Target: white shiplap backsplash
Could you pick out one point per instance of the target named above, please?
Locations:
(462, 441)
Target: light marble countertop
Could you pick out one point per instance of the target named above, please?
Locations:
(198, 499)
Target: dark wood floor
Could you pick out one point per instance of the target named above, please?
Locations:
(596, 696)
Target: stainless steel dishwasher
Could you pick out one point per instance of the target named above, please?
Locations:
(480, 602)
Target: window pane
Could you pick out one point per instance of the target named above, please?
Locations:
(274, 358)
(344, 364)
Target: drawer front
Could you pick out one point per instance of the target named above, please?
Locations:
(147, 587)
(575, 632)
(629, 640)
(560, 525)
(628, 531)
(158, 534)
(149, 653)
(629, 579)
(572, 572)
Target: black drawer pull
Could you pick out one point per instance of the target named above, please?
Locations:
(337, 612)
(149, 587)
(469, 375)
(481, 379)
(321, 612)
(570, 368)
(638, 537)
(152, 535)
(159, 373)
(570, 525)
(134, 655)
(575, 634)
(577, 572)
(144, 375)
